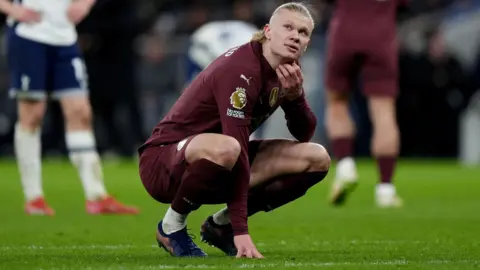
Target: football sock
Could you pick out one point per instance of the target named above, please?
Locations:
(28, 155)
(84, 156)
(173, 221)
(281, 190)
(221, 217)
(204, 182)
(342, 147)
(386, 167)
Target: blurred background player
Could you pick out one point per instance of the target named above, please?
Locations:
(212, 40)
(362, 41)
(44, 61)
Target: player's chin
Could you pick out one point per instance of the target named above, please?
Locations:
(290, 57)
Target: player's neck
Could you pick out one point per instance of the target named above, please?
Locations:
(273, 59)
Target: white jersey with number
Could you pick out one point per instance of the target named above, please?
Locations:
(54, 27)
(215, 38)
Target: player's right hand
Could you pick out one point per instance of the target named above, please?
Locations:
(291, 78)
(23, 14)
(245, 247)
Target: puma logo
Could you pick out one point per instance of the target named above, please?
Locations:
(245, 78)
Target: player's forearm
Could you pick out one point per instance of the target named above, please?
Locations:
(301, 121)
(6, 6)
(237, 206)
(88, 3)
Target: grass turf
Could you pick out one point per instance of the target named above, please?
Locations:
(438, 228)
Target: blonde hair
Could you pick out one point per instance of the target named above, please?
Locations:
(302, 8)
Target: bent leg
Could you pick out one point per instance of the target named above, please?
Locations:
(202, 170)
(283, 171)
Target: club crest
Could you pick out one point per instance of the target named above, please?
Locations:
(273, 97)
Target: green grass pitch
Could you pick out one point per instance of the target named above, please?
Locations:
(438, 228)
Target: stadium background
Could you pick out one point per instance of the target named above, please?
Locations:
(136, 50)
(135, 53)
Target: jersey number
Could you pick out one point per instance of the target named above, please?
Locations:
(231, 51)
(80, 72)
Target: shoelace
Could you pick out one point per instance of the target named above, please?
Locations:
(186, 244)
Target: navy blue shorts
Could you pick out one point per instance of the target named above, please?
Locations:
(38, 70)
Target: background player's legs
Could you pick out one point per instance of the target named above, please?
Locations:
(341, 132)
(282, 171)
(385, 147)
(80, 141)
(27, 63)
(380, 75)
(28, 153)
(70, 88)
(343, 64)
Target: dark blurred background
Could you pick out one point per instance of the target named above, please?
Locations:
(135, 52)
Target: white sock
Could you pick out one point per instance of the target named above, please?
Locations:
(84, 156)
(173, 221)
(221, 217)
(28, 154)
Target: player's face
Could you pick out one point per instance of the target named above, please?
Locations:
(289, 34)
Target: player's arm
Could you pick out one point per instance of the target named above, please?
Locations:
(301, 121)
(235, 98)
(6, 6)
(19, 12)
(79, 9)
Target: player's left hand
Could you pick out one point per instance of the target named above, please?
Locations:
(291, 78)
(78, 10)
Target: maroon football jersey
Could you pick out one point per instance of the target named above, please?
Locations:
(233, 96)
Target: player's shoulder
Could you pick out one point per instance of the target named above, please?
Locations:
(239, 59)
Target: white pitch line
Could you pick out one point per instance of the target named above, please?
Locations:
(283, 243)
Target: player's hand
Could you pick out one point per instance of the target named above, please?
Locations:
(291, 78)
(245, 247)
(24, 14)
(78, 10)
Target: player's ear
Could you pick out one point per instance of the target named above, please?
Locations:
(266, 31)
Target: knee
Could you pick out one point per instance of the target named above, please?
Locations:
(225, 152)
(78, 115)
(318, 157)
(31, 116)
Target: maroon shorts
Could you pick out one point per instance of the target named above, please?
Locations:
(162, 168)
(377, 65)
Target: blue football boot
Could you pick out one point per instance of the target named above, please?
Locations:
(178, 244)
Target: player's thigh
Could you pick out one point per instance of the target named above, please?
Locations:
(161, 169)
(380, 71)
(69, 74)
(70, 83)
(31, 112)
(339, 67)
(218, 148)
(271, 158)
(28, 67)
